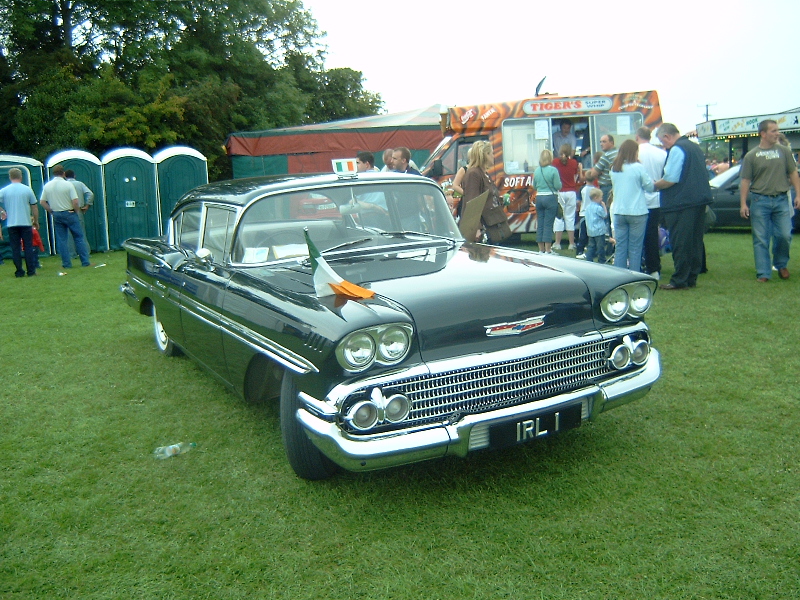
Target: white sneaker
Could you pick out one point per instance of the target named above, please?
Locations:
(572, 246)
(556, 247)
(656, 274)
(774, 268)
(581, 255)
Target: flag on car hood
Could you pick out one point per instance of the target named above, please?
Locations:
(326, 281)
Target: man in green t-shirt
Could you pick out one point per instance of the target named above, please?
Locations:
(768, 171)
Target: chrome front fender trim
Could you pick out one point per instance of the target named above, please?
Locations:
(361, 453)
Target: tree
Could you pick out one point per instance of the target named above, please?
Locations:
(101, 74)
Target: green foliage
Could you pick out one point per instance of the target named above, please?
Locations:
(689, 493)
(99, 74)
(112, 114)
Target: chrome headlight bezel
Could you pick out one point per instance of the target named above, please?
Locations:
(631, 300)
(390, 344)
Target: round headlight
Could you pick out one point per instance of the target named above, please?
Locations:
(615, 304)
(363, 415)
(641, 350)
(393, 344)
(641, 298)
(620, 357)
(359, 350)
(397, 408)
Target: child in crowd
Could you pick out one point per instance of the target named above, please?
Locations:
(595, 216)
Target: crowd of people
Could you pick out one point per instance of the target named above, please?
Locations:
(622, 204)
(626, 194)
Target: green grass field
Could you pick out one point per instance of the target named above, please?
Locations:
(691, 492)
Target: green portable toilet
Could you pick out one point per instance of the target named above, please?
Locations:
(32, 175)
(88, 170)
(179, 169)
(131, 195)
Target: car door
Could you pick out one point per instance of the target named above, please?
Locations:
(205, 280)
(169, 275)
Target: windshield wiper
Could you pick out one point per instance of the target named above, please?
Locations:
(406, 234)
(346, 244)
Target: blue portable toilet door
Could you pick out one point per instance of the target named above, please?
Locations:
(130, 200)
(176, 176)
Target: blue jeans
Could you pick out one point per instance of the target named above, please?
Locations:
(66, 223)
(770, 217)
(629, 233)
(596, 247)
(546, 211)
(25, 236)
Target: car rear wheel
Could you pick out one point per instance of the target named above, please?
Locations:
(164, 343)
(304, 457)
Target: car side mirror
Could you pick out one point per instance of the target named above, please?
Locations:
(205, 257)
(437, 169)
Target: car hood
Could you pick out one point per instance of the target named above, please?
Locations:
(474, 298)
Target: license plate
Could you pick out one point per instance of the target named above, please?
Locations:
(535, 426)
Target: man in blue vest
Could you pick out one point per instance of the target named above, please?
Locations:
(685, 193)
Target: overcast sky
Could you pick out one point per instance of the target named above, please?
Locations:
(736, 55)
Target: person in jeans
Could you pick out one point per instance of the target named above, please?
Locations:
(629, 213)
(60, 199)
(595, 215)
(547, 182)
(22, 216)
(768, 171)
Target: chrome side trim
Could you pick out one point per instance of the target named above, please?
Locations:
(257, 342)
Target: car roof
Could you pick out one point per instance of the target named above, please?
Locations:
(240, 192)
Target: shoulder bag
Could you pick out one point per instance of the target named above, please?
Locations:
(494, 217)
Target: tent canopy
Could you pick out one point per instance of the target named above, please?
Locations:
(309, 148)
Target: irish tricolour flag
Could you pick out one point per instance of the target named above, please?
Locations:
(327, 282)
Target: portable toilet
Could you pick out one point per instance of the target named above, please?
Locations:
(131, 195)
(88, 170)
(32, 175)
(179, 169)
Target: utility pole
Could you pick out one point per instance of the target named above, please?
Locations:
(707, 105)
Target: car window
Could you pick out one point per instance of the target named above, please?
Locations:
(187, 228)
(723, 178)
(273, 227)
(217, 231)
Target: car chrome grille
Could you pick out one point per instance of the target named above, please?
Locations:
(449, 395)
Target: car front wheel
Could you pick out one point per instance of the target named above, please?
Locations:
(304, 457)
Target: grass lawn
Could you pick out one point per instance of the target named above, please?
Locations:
(692, 492)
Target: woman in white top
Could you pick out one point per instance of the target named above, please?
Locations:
(629, 182)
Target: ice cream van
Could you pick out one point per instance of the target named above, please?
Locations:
(520, 130)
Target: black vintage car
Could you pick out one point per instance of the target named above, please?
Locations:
(461, 346)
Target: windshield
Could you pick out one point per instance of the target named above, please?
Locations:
(342, 216)
(435, 154)
(724, 177)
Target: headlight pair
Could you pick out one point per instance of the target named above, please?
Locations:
(366, 414)
(632, 299)
(383, 344)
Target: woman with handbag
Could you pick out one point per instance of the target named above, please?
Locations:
(547, 182)
(476, 182)
(629, 212)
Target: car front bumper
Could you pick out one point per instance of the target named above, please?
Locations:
(472, 431)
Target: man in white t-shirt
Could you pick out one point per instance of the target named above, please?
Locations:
(653, 160)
